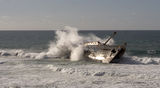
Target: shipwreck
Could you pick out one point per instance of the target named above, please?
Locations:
(103, 52)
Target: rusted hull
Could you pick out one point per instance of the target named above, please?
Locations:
(105, 53)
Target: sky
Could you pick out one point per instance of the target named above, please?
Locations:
(82, 14)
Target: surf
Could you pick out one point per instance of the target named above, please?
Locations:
(68, 43)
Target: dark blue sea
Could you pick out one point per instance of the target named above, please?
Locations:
(141, 43)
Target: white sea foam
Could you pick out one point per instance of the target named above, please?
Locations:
(77, 53)
(66, 43)
(69, 44)
(140, 60)
(19, 73)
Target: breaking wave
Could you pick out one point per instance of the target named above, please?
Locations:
(125, 59)
(140, 60)
(69, 44)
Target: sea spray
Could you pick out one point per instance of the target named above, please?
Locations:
(67, 44)
(127, 59)
(77, 53)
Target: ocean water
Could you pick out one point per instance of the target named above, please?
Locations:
(23, 62)
(139, 43)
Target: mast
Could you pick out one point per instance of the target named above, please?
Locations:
(114, 33)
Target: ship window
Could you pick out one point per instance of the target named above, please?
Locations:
(113, 51)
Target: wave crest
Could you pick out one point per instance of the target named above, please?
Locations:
(140, 60)
(67, 44)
